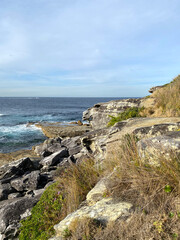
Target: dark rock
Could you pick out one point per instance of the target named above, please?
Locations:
(10, 215)
(5, 189)
(48, 147)
(55, 157)
(27, 182)
(46, 177)
(16, 168)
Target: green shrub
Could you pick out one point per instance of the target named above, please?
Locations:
(128, 113)
(44, 216)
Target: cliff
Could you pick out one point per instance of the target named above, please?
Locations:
(116, 182)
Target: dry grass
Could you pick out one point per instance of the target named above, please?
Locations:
(77, 181)
(168, 98)
(154, 192)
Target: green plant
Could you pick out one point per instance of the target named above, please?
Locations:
(67, 233)
(128, 113)
(44, 215)
(159, 226)
(168, 189)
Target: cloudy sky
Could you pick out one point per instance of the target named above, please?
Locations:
(94, 48)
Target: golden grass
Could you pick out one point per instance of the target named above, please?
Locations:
(154, 192)
(77, 181)
(168, 98)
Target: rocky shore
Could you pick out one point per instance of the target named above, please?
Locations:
(23, 181)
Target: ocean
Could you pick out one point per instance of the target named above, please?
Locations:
(16, 112)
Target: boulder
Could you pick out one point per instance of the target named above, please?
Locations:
(73, 145)
(48, 147)
(16, 168)
(14, 195)
(10, 215)
(101, 189)
(105, 211)
(152, 148)
(27, 182)
(55, 158)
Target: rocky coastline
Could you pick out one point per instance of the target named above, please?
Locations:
(23, 181)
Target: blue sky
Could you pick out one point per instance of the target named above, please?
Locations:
(93, 48)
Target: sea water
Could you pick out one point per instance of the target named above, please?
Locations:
(16, 112)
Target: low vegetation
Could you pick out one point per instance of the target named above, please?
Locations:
(154, 192)
(58, 200)
(128, 113)
(167, 99)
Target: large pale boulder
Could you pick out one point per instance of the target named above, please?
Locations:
(105, 210)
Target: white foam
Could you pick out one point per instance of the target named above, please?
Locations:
(1, 114)
(17, 129)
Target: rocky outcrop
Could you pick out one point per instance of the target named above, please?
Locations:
(101, 142)
(22, 182)
(153, 89)
(54, 130)
(99, 114)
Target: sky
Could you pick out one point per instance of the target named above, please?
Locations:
(87, 48)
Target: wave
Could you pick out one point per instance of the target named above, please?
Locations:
(2, 115)
(21, 128)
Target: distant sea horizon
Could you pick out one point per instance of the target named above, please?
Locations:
(17, 112)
